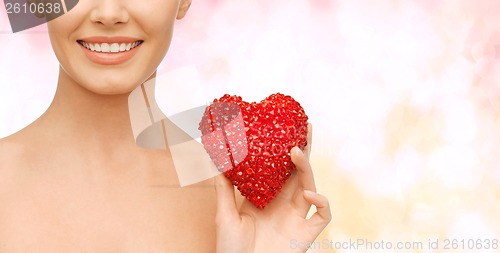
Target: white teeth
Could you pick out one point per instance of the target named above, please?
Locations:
(115, 48)
(107, 48)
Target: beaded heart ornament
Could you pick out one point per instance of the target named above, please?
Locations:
(251, 142)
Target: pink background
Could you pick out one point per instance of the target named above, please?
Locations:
(403, 95)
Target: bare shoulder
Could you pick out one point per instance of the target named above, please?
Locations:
(11, 160)
(11, 155)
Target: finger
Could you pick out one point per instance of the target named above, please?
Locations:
(289, 190)
(305, 174)
(307, 149)
(226, 202)
(323, 215)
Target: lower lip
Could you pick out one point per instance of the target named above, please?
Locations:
(110, 58)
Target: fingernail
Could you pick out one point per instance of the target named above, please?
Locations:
(310, 193)
(296, 151)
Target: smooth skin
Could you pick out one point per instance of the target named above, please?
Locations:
(75, 180)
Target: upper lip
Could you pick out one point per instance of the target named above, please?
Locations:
(105, 39)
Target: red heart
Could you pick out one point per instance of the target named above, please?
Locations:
(251, 142)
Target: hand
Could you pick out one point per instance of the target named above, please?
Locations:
(282, 225)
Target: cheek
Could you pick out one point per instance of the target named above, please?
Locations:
(59, 46)
(60, 31)
(156, 17)
(160, 32)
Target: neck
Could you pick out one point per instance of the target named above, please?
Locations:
(80, 117)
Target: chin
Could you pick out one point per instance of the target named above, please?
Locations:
(105, 81)
(120, 87)
(115, 90)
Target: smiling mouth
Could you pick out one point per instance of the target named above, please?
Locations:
(110, 47)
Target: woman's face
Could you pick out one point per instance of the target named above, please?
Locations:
(112, 46)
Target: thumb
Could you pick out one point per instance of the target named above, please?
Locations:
(226, 202)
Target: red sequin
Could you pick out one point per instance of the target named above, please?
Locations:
(251, 142)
